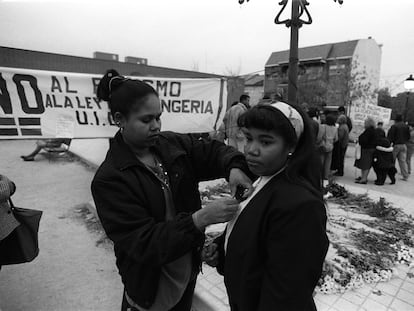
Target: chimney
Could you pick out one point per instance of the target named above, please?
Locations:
(136, 60)
(105, 56)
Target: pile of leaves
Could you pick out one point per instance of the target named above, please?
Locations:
(368, 239)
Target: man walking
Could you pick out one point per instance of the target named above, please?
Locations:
(233, 133)
(399, 134)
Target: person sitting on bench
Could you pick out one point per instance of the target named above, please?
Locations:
(48, 145)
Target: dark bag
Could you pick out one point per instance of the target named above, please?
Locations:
(22, 244)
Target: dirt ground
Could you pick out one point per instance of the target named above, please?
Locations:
(71, 271)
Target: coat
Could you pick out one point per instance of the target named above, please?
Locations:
(7, 220)
(131, 206)
(276, 249)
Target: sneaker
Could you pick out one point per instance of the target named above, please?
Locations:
(26, 158)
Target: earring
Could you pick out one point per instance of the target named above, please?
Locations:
(290, 154)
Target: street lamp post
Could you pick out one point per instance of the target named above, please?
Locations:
(299, 7)
(408, 85)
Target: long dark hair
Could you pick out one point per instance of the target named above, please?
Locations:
(122, 93)
(304, 165)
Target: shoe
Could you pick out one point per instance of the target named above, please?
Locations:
(361, 182)
(378, 183)
(338, 174)
(26, 158)
(358, 178)
(404, 178)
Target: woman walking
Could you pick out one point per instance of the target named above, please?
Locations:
(367, 140)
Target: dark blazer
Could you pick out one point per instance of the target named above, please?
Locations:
(131, 206)
(276, 250)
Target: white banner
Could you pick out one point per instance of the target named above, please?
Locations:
(47, 104)
(360, 111)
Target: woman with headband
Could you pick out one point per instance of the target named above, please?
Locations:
(272, 252)
(146, 196)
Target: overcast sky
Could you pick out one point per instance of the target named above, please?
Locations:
(218, 36)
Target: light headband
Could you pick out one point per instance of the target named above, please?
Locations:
(293, 116)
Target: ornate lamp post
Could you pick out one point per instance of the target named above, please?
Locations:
(295, 22)
(408, 85)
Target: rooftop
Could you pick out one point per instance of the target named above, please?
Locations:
(321, 53)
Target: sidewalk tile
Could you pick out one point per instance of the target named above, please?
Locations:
(410, 279)
(406, 296)
(320, 306)
(387, 288)
(372, 305)
(396, 281)
(384, 299)
(399, 305)
(327, 299)
(343, 304)
(365, 290)
(408, 286)
(354, 297)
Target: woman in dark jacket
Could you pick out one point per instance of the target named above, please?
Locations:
(367, 140)
(146, 195)
(272, 253)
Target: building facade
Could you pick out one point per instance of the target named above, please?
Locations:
(329, 74)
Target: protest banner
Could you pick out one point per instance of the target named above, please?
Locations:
(48, 104)
(360, 111)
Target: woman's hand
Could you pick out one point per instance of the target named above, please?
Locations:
(217, 211)
(238, 177)
(210, 255)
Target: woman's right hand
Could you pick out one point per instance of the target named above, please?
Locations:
(210, 255)
(217, 211)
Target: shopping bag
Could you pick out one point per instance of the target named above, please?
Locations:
(22, 245)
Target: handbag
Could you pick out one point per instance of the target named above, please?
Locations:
(357, 151)
(22, 244)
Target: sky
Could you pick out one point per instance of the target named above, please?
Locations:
(217, 36)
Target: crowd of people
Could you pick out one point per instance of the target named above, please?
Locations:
(274, 245)
(375, 148)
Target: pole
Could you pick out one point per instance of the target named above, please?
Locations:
(293, 55)
(406, 107)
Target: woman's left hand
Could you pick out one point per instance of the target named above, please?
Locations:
(238, 177)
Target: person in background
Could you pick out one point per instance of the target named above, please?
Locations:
(341, 111)
(44, 144)
(313, 114)
(341, 145)
(272, 252)
(329, 134)
(232, 131)
(367, 140)
(399, 134)
(410, 147)
(7, 220)
(380, 129)
(147, 199)
(383, 160)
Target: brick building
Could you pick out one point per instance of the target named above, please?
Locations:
(329, 74)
